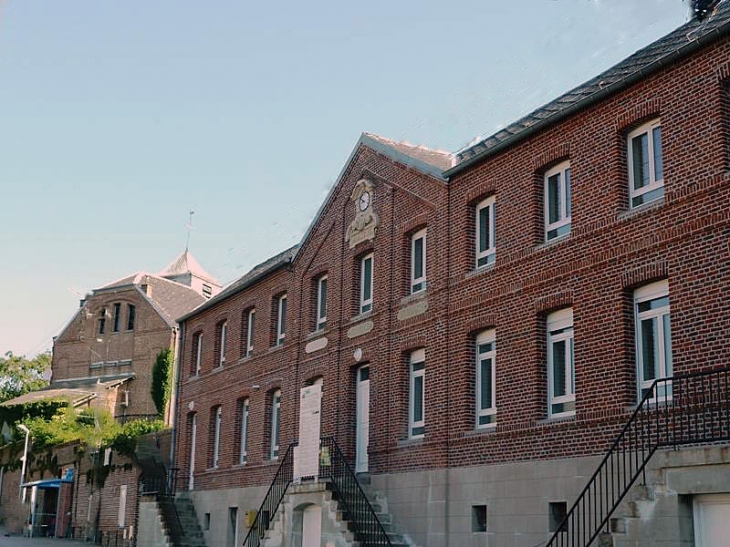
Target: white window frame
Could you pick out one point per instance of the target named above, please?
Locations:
(488, 255)
(243, 457)
(654, 183)
(418, 284)
(416, 369)
(648, 293)
(275, 424)
(486, 349)
(321, 317)
(198, 353)
(560, 329)
(217, 436)
(250, 324)
(281, 320)
(564, 197)
(223, 341)
(366, 304)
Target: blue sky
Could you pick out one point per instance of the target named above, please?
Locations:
(117, 118)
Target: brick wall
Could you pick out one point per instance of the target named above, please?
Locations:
(612, 249)
(80, 345)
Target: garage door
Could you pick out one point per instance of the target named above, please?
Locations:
(712, 520)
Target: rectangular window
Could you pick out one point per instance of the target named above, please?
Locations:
(275, 423)
(418, 261)
(222, 342)
(197, 353)
(416, 417)
(281, 320)
(217, 435)
(102, 320)
(321, 315)
(250, 322)
(244, 433)
(131, 316)
(485, 379)
(486, 232)
(653, 337)
(646, 165)
(561, 368)
(117, 316)
(366, 283)
(557, 201)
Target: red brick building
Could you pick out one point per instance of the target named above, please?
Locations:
(501, 311)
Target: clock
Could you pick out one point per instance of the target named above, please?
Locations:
(364, 201)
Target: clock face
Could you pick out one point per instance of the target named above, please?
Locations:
(364, 202)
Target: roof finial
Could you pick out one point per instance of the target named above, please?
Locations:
(189, 227)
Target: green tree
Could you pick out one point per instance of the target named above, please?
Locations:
(19, 375)
(162, 380)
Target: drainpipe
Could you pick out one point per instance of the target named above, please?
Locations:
(25, 430)
(178, 338)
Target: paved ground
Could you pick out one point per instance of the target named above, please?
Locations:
(18, 541)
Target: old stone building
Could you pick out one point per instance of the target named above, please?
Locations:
(538, 321)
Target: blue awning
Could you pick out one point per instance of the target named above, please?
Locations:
(47, 483)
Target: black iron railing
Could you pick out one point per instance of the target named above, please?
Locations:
(358, 511)
(157, 482)
(685, 409)
(270, 505)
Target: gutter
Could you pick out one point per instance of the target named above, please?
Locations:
(599, 95)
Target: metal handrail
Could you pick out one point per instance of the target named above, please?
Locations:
(277, 490)
(368, 528)
(685, 409)
(156, 482)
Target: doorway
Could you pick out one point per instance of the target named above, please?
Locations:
(312, 526)
(362, 419)
(193, 441)
(711, 520)
(232, 534)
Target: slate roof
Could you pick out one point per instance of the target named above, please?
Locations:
(186, 264)
(677, 44)
(254, 274)
(169, 298)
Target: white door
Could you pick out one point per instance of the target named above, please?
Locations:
(193, 440)
(312, 526)
(712, 520)
(362, 420)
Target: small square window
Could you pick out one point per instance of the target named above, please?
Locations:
(558, 512)
(478, 518)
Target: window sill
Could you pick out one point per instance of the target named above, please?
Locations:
(216, 369)
(276, 348)
(316, 334)
(480, 270)
(554, 241)
(557, 419)
(481, 431)
(406, 443)
(271, 461)
(640, 209)
(420, 295)
(361, 317)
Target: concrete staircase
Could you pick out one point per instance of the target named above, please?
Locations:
(193, 533)
(178, 517)
(338, 527)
